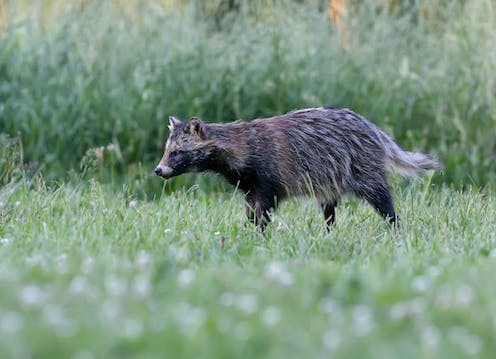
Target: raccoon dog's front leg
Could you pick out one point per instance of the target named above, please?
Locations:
(329, 209)
(250, 207)
(258, 208)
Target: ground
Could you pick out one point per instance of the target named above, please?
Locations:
(89, 273)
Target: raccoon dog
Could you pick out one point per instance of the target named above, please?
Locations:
(322, 152)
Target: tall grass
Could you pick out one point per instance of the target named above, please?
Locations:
(11, 169)
(109, 73)
(91, 273)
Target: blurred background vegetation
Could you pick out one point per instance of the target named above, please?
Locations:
(87, 86)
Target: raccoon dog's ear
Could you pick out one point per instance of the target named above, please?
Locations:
(173, 123)
(195, 127)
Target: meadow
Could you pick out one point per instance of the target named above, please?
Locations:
(102, 259)
(86, 74)
(89, 272)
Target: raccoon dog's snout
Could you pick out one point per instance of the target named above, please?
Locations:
(164, 172)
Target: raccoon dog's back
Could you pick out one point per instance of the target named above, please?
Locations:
(333, 151)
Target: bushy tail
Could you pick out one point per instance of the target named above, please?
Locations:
(408, 163)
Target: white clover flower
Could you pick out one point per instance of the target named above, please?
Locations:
(186, 277)
(10, 322)
(87, 265)
(421, 283)
(110, 309)
(189, 318)
(276, 272)
(430, 336)
(33, 260)
(132, 328)
(398, 311)
(182, 254)
(142, 286)
(115, 286)
(143, 260)
(362, 320)
(227, 299)
(331, 339)
(10, 274)
(247, 303)
(62, 265)
(470, 343)
(78, 285)
(32, 296)
(411, 308)
(434, 271)
(54, 317)
(328, 305)
(5, 241)
(271, 316)
(464, 296)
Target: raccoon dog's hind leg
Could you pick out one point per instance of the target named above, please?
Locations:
(378, 194)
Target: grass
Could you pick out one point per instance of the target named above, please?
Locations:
(89, 272)
(90, 73)
(100, 259)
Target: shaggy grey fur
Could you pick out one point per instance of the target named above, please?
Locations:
(323, 152)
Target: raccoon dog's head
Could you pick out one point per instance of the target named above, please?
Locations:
(187, 148)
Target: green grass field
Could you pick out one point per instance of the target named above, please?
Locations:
(87, 272)
(99, 72)
(101, 259)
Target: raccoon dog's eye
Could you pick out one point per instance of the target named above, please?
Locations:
(174, 153)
